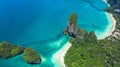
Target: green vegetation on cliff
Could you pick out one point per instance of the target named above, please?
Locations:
(31, 56)
(8, 50)
(73, 18)
(15, 50)
(90, 52)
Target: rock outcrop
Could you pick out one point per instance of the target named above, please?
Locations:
(31, 56)
(73, 29)
(8, 50)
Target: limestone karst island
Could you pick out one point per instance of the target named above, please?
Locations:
(59, 33)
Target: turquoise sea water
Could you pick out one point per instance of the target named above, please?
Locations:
(38, 24)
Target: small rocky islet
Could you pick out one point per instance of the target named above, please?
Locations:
(31, 56)
(8, 50)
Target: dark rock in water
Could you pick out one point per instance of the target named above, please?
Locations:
(31, 56)
(8, 50)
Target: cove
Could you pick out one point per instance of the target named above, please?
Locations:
(39, 23)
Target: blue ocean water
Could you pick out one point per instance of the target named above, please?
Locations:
(39, 23)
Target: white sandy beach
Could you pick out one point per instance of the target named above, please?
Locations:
(114, 22)
(106, 2)
(58, 57)
(110, 28)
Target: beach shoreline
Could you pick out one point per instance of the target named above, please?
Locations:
(58, 57)
(113, 21)
(111, 25)
(110, 28)
(106, 2)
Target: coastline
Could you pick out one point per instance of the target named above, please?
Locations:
(110, 28)
(113, 21)
(106, 2)
(58, 57)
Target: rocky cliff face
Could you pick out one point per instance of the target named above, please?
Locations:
(73, 29)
